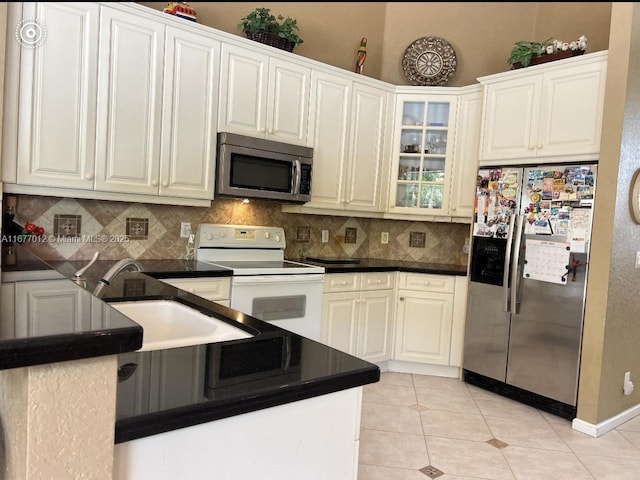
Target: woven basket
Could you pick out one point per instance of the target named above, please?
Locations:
(272, 39)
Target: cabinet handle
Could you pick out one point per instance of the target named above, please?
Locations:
(539, 146)
(453, 208)
(89, 176)
(344, 282)
(154, 183)
(165, 184)
(402, 299)
(262, 129)
(192, 290)
(427, 282)
(531, 147)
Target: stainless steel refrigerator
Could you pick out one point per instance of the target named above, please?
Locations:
(528, 274)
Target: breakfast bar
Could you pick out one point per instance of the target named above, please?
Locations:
(161, 401)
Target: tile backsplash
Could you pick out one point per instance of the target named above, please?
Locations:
(148, 231)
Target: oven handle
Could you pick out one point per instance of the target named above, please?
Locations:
(271, 279)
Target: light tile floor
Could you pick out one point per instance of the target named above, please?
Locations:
(417, 427)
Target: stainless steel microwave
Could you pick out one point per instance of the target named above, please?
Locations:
(250, 167)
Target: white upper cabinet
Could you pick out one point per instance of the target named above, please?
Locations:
(466, 154)
(550, 112)
(330, 114)
(189, 115)
(348, 127)
(131, 59)
(263, 96)
(115, 104)
(55, 112)
(422, 156)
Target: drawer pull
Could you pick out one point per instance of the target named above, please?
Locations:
(402, 299)
(192, 290)
(427, 282)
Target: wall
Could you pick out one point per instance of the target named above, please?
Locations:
(332, 31)
(611, 335)
(443, 242)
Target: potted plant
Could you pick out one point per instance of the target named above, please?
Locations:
(262, 26)
(524, 54)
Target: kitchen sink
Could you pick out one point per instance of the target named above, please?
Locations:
(171, 324)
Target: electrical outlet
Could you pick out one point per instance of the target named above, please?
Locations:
(384, 238)
(627, 386)
(185, 229)
(325, 236)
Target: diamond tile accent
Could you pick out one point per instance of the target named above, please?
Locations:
(350, 235)
(66, 225)
(417, 239)
(431, 471)
(137, 228)
(497, 443)
(303, 234)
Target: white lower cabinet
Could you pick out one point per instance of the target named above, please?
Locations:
(216, 289)
(429, 323)
(358, 314)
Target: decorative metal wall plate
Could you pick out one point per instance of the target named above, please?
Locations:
(429, 61)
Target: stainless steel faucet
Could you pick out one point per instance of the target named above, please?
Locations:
(79, 277)
(120, 266)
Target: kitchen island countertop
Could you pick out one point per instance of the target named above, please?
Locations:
(199, 384)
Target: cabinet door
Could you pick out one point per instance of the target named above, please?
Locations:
(243, 91)
(423, 154)
(329, 128)
(367, 162)
(288, 102)
(571, 110)
(375, 325)
(511, 118)
(58, 81)
(424, 327)
(189, 114)
(339, 320)
(466, 152)
(129, 103)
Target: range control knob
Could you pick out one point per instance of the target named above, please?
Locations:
(267, 235)
(209, 236)
(277, 238)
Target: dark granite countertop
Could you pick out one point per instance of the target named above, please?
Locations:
(64, 327)
(199, 383)
(347, 265)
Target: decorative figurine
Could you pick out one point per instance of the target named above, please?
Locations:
(181, 9)
(362, 56)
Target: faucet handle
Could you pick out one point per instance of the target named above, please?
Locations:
(79, 275)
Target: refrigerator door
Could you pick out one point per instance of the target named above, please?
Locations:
(488, 306)
(546, 331)
(548, 280)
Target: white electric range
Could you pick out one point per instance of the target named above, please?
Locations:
(264, 284)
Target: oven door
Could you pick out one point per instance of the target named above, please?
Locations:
(292, 302)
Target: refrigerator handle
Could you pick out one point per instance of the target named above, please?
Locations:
(514, 266)
(507, 263)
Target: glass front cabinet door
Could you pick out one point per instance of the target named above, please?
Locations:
(422, 154)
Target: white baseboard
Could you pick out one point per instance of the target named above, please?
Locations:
(607, 425)
(419, 368)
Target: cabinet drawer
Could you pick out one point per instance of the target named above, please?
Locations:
(209, 288)
(427, 283)
(341, 282)
(377, 280)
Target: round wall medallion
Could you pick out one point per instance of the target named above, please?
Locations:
(429, 61)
